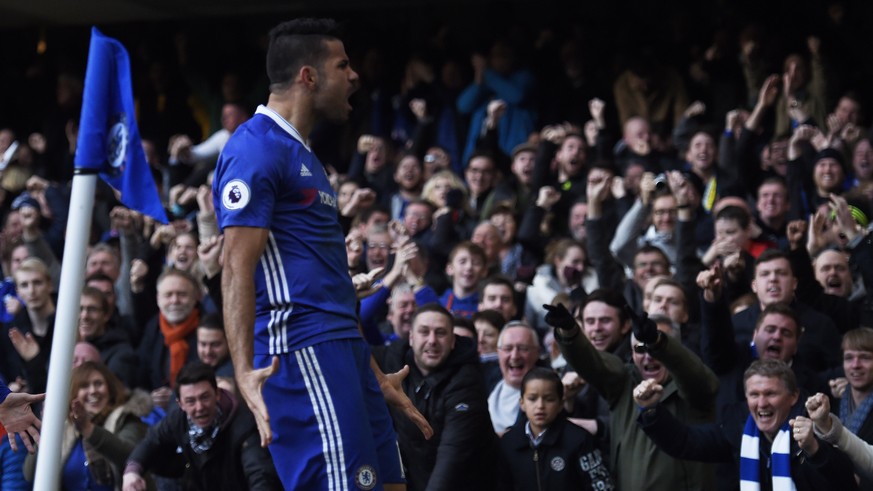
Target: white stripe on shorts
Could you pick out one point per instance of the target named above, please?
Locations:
(325, 414)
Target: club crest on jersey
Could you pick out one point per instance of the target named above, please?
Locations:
(557, 464)
(365, 477)
(235, 195)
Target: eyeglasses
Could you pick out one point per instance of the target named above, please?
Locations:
(663, 212)
(522, 348)
(373, 245)
(650, 264)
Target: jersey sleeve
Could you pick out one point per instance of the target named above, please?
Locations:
(245, 183)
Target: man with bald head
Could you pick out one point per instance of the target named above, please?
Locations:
(832, 273)
(636, 147)
(826, 283)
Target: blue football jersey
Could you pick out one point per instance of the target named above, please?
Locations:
(267, 177)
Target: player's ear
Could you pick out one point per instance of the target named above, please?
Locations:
(308, 76)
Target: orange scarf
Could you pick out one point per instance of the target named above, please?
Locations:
(175, 338)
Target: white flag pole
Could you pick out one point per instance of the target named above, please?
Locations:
(57, 403)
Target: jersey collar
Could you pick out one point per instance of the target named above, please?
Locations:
(283, 123)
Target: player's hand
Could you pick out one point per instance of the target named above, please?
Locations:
(17, 417)
(251, 384)
(392, 390)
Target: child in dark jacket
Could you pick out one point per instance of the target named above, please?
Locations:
(545, 451)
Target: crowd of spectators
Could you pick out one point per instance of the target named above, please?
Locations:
(720, 180)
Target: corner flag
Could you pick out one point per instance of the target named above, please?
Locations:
(109, 140)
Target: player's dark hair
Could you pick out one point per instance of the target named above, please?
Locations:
(296, 43)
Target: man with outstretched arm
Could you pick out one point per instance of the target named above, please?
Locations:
(304, 369)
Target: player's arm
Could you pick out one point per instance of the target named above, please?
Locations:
(243, 247)
(392, 390)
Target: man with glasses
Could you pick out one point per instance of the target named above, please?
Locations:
(655, 205)
(689, 390)
(648, 261)
(379, 244)
(518, 350)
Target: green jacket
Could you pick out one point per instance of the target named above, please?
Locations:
(636, 462)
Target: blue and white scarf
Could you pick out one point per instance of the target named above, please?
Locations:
(854, 417)
(750, 460)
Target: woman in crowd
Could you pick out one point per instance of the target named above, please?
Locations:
(564, 271)
(103, 427)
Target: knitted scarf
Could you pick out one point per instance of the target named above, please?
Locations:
(750, 460)
(175, 338)
(853, 417)
(201, 439)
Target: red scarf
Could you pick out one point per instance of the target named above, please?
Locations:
(175, 338)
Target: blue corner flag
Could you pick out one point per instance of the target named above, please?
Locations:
(109, 139)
